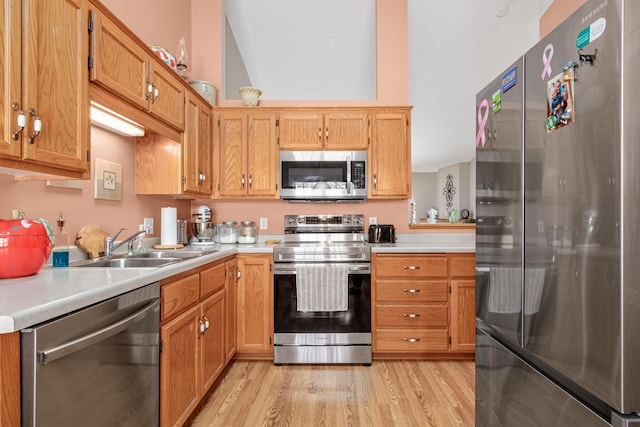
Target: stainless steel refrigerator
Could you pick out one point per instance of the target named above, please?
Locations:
(558, 242)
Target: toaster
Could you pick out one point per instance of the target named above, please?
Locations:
(382, 233)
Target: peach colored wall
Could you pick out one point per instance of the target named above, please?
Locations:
(394, 212)
(159, 22)
(79, 207)
(556, 13)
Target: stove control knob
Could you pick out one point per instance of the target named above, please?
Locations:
(291, 220)
(347, 219)
(300, 220)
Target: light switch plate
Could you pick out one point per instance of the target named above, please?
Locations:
(373, 220)
(263, 223)
(148, 225)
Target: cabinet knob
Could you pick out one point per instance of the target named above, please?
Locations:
(156, 93)
(375, 181)
(37, 126)
(412, 340)
(411, 315)
(206, 322)
(149, 90)
(21, 119)
(250, 181)
(202, 327)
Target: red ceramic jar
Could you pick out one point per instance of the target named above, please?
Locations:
(24, 247)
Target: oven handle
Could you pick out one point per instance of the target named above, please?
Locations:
(290, 268)
(78, 344)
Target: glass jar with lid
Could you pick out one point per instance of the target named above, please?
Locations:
(229, 232)
(247, 232)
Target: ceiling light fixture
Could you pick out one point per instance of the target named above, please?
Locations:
(114, 122)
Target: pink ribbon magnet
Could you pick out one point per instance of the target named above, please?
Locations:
(546, 60)
(482, 121)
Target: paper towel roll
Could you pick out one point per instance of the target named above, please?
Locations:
(168, 226)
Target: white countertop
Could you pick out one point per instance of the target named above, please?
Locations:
(28, 301)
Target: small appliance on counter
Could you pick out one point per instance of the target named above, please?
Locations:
(26, 247)
(202, 228)
(382, 233)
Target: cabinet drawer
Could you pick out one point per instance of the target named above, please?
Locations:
(211, 280)
(411, 267)
(411, 340)
(412, 315)
(410, 291)
(178, 296)
(463, 265)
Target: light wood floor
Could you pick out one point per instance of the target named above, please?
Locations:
(387, 393)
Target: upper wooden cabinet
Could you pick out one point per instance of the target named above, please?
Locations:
(122, 64)
(246, 154)
(318, 130)
(390, 155)
(197, 147)
(166, 166)
(44, 110)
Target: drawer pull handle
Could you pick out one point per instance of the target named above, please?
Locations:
(412, 291)
(411, 267)
(412, 340)
(411, 315)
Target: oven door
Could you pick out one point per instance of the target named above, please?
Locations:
(348, 325)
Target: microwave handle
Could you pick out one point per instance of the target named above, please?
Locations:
(349, 183)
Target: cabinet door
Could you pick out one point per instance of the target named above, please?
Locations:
(205, 148)
(346, 131)
(119, 64)
(167, 99)
(463, 317)
(255, 304)
(230, 288)
(190, 151)
(10, 37)
(179, 368)
(262, 155)
(301, 131)
(390, 167)
(232, 137)
(54, 90)
(212, 358)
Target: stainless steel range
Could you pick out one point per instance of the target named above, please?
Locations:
(322, 295)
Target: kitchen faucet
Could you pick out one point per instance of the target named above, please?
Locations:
(109, 242)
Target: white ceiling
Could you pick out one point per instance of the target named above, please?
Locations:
(455, 48)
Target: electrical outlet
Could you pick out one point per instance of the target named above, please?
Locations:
(263, 223)
(148, 225)
(373, 220)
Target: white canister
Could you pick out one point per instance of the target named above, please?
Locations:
(229, 232)
(206, 89)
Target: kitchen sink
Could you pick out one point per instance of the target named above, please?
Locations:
(166, 254)
(128, 262)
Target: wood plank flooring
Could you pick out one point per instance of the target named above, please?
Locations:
(387, 393)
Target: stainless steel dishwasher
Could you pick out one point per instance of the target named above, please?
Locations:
(98, 366)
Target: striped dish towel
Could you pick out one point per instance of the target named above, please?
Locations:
(322, 287)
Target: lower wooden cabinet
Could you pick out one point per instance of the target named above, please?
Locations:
(192, 333)
(230, 289)
(424, 304)
(255, 306)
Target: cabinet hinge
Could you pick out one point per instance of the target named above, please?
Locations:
(184, 180)
(449, 340)
(218, 122)
(277, 122)
(88, 155)
(270, 267)
(449, 289)
(407, 121)
(90, 62)
(269, 340)
(161, 342)
(90, 24)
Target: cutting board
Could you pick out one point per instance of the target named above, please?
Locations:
(90, 239)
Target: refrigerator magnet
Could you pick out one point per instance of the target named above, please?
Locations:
(560, 106)
(591, 33)
(509, 79)
(496, 101)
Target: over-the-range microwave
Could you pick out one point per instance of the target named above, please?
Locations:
(323, 176)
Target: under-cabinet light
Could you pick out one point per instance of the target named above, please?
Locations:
(114, 122)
